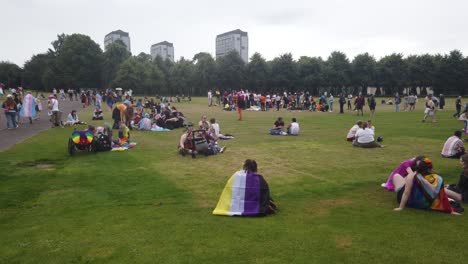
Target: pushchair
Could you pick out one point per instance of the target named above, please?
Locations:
(81, 140)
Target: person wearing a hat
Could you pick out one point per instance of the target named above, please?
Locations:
(10, 109)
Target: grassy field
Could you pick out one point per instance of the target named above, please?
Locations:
(150, 205)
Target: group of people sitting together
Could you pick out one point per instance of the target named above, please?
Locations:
(279, 127)
(203, 140)
(362, 134)
(161, 118)
(418, 186)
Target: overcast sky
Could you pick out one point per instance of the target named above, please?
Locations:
(311, 28)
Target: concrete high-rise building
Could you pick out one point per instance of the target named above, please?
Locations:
(117, 35)
(164, 49)
(233, 40)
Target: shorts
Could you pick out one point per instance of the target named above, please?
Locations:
(411, 104)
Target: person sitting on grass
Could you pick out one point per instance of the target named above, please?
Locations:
(405, 168)
(453, 147)
(186, 144)
(459, 191)
(97, 114)
(246, 194)
(278, 127)
(124, 135)
(73, 120)
(293, 128)
(203, 124)
(352, 132)
(365, 138)
(422, 189)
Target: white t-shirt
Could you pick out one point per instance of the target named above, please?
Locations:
(215, 128)
(365, 135)
(294, 129)
(55, 106)
(352, 131)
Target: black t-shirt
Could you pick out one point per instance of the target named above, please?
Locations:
(462, 187)
(279, 123)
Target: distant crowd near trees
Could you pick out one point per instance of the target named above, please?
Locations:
(76, 61)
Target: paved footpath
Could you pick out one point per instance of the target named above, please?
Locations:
(9, 137)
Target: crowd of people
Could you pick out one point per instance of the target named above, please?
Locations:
(414, 181)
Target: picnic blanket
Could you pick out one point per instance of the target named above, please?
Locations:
(123, 147)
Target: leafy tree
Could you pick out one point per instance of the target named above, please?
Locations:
(144, 57)
(165, 67)
(392, 73)
(337, 71)
(10, 74)
(421, 71)
(363, 71)
(311, 73)
(115, 54)
(204, 73)
(452, 73)
(284, 73)
(257, 73)
(182, 77)
(230, 71)
(78, 63)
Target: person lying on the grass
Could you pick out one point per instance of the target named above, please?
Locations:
(459, 191)
(352, 132)
(453, 147)
(405, 168)
(278, 127)
(293, 128)
(422, 189)
(72, 119)
(365, 138)
(246, 194)
(97, 114)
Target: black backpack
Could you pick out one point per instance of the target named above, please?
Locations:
(102, 142)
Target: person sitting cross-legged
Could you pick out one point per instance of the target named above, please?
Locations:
(293, 128)
(365, 138)
(97, 114)
(453, 147)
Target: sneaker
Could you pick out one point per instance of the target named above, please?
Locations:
(222, 150)
(384, 185)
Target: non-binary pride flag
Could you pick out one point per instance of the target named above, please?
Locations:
(245, 194)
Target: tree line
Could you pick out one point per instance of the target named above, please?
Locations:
(76, 61)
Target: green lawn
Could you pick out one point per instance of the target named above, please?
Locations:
(150, 205)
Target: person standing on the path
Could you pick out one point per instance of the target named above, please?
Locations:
(10, 109)
(55, 117)
(210, 98)
(38, 107)
(397, 102)
(331, 100)
(458, 105)
(29, 107)
(342, 103)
